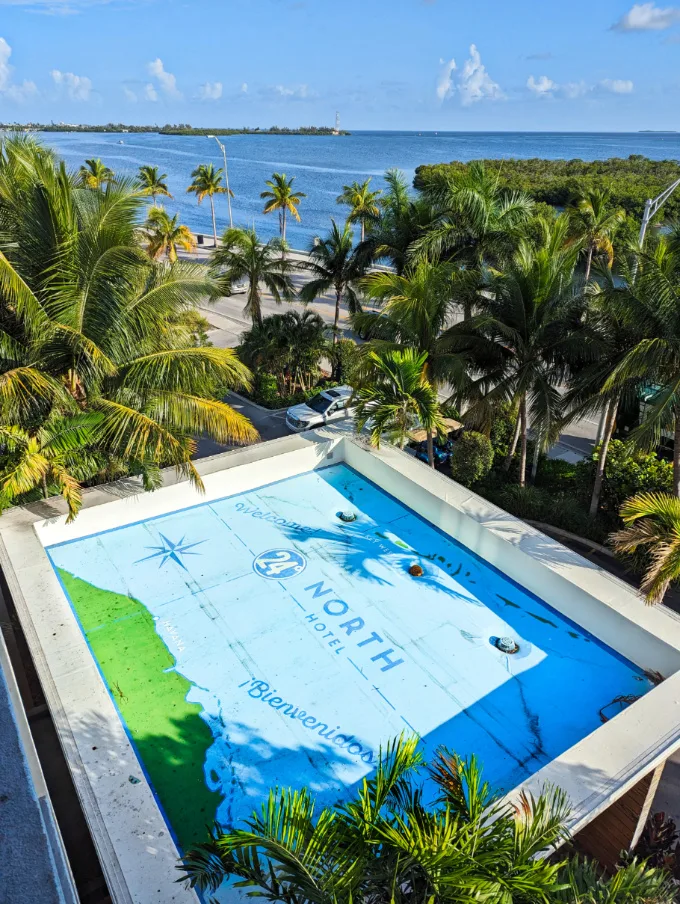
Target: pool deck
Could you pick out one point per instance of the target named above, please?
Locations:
(137, 851)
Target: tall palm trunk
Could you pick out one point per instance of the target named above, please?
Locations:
(283, 224)
(537, 453)
(676, 455)
(523, 447)
(338, 297)
(589, 262)
(43, 481)
(363, 229)
(430, 449)
(513, 445)
(602, 459)
(212, 210)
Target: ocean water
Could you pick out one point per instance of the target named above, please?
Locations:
(307, 644)
(323, 164)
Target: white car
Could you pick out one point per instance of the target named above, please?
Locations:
(327, 406)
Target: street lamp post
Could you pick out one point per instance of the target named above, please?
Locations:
(652, 206)
(226, 176)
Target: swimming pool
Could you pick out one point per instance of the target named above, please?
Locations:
(259, 640)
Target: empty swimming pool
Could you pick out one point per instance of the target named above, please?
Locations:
(260, 640)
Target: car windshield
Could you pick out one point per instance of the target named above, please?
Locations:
(319, 403)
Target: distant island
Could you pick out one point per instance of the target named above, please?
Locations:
(182, 128)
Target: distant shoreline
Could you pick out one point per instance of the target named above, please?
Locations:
(182, 130)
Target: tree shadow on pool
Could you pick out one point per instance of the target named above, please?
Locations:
(359, 548)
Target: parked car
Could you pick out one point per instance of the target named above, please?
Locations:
(325, 407)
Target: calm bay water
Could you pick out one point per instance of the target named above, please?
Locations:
(322, 165)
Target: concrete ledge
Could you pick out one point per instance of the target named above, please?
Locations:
(136, 848)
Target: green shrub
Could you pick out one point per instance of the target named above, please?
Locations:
(472, 458)
(344, 358)
(631, 471)
(266, 390)
(537, 504)
(502, 429)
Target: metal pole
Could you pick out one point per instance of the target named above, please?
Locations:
(226, 177)
(226, 180)
(645, 221)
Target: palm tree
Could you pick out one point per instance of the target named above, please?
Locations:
(596, 223)
(94, 174)
(58, 453)
(532, 312)
(152, 184)
(363, 203)
(611, 314)
(417, 311)
(165, 234)
(403, 219)
(289, 345)
(650, 296)
(96, 333)
(389, 845)
(207, 182)
(475, 219)
(396, 397)
(334, 264)
(281, 197)
(652, 523)
(242, 256)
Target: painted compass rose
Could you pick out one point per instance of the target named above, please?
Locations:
(170, 551)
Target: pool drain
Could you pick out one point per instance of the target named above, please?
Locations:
(505, 644)
(347, 517)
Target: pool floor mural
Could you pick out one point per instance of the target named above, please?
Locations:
(260, 640)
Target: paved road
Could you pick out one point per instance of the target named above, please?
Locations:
(228, 322)
(269, 424)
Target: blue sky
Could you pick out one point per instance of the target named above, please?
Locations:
(392, 64)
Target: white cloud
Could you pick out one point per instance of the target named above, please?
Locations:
(210, 91)
(150, 93)
(22, 92)
(546, 87)
(166, 80)
(77, 87)
(648, 17)
(244, 88)
(472, 84)
(617, 85)
(475, 83)
(572, 90)
(295, 92)
(8, 89)
(129, 94)
(5, 68)
(541, 86)
(445, 78)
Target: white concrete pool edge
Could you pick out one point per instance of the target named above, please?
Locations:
(136, 849)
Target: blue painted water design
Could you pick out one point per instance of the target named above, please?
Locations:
(308, 644)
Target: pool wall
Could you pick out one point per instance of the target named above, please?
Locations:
(137, 851)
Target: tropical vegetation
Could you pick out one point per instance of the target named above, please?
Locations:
(282, 198)
(390, 843)
(335, 265)
(394, 398)
(241, 256)
(206, 183)
(98, 372)
(152, 183)
(629, 181)
(165, 234)
(94, 174)
(364, 204)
